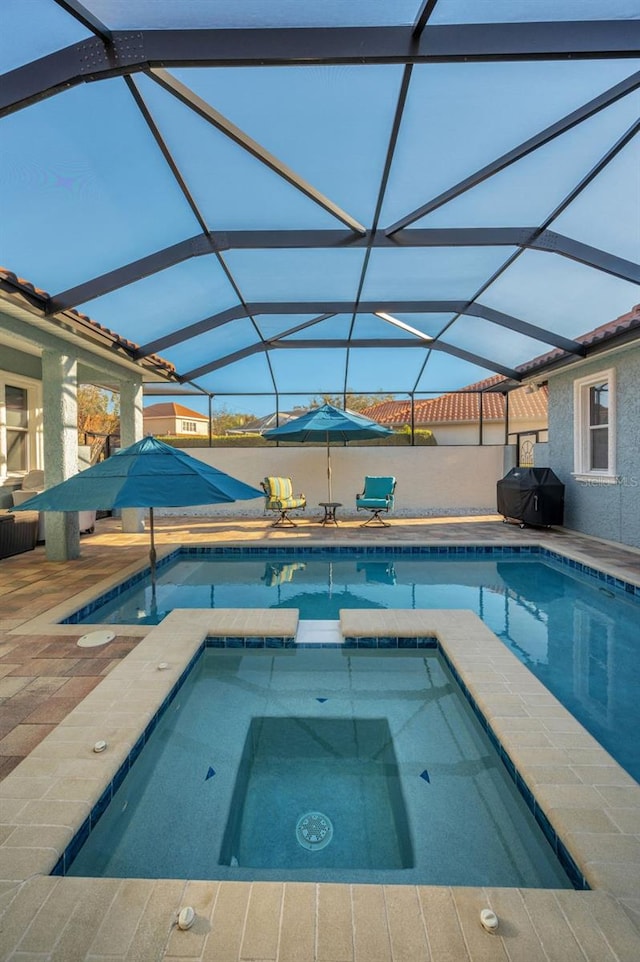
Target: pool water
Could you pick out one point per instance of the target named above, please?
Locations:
(296, 770)
(579, 636)
(321, 765)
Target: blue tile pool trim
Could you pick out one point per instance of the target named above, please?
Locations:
(574, 874)
(112, 593)
(386, 642)
(389, 641)
(434, 551)
(64, 862)
(252, 642)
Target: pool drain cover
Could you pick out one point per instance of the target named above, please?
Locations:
(314, 831)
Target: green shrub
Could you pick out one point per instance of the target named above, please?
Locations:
(424, 436)
(399, 438)
(420, 435)
(218, 441)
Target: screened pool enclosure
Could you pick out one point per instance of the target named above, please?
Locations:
(348, 197)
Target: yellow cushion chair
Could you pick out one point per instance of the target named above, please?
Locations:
(278, 496)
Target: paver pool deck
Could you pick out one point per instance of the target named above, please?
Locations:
(57, 699)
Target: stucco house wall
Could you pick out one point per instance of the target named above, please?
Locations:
(171, 418)
(170, 426)
(468, 432)
(610, 511)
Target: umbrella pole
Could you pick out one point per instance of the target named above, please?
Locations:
(329, 468)
(152, 560)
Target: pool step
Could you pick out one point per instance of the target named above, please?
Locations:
(318, 632)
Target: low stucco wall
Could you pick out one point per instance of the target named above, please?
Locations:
(430, 480)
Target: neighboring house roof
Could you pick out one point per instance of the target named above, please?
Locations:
(170, 409)
(523, 403)
(25, 293)
(464, 405)
(625, 324)
(267, 421)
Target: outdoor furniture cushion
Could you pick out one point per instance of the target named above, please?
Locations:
(18, 532)
(32, 484)
(279, 494)
(378, 495)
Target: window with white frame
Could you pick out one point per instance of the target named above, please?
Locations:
(20, 424)
(17, 429)
(189, 427)
(594, 427)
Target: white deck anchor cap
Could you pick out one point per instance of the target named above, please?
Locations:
(186, 917)
(489, 920)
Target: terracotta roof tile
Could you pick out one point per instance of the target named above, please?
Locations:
(464, 406)
(626, 322)
(461, 406)
(169, 409)
(27, 287)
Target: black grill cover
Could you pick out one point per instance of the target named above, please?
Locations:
(532, 496)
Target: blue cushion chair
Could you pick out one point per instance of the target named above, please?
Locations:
(278, 496)
(378, 496)
(378, 572)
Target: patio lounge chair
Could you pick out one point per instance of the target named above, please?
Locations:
(278, 496)
(378, 496)
(18, 532)
(32, 484)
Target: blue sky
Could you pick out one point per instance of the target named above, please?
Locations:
(86, 190)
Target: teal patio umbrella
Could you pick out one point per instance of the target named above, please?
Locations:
(328, 423)
(146, 474)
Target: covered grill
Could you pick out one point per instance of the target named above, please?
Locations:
(531, 496)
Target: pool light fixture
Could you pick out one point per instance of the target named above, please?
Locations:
(390, 319)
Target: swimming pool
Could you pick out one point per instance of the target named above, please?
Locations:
(574, 627)
(325, 765)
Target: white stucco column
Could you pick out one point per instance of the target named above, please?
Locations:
(60, 423)
(130, 432)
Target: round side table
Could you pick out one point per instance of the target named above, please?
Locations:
(330, 508)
